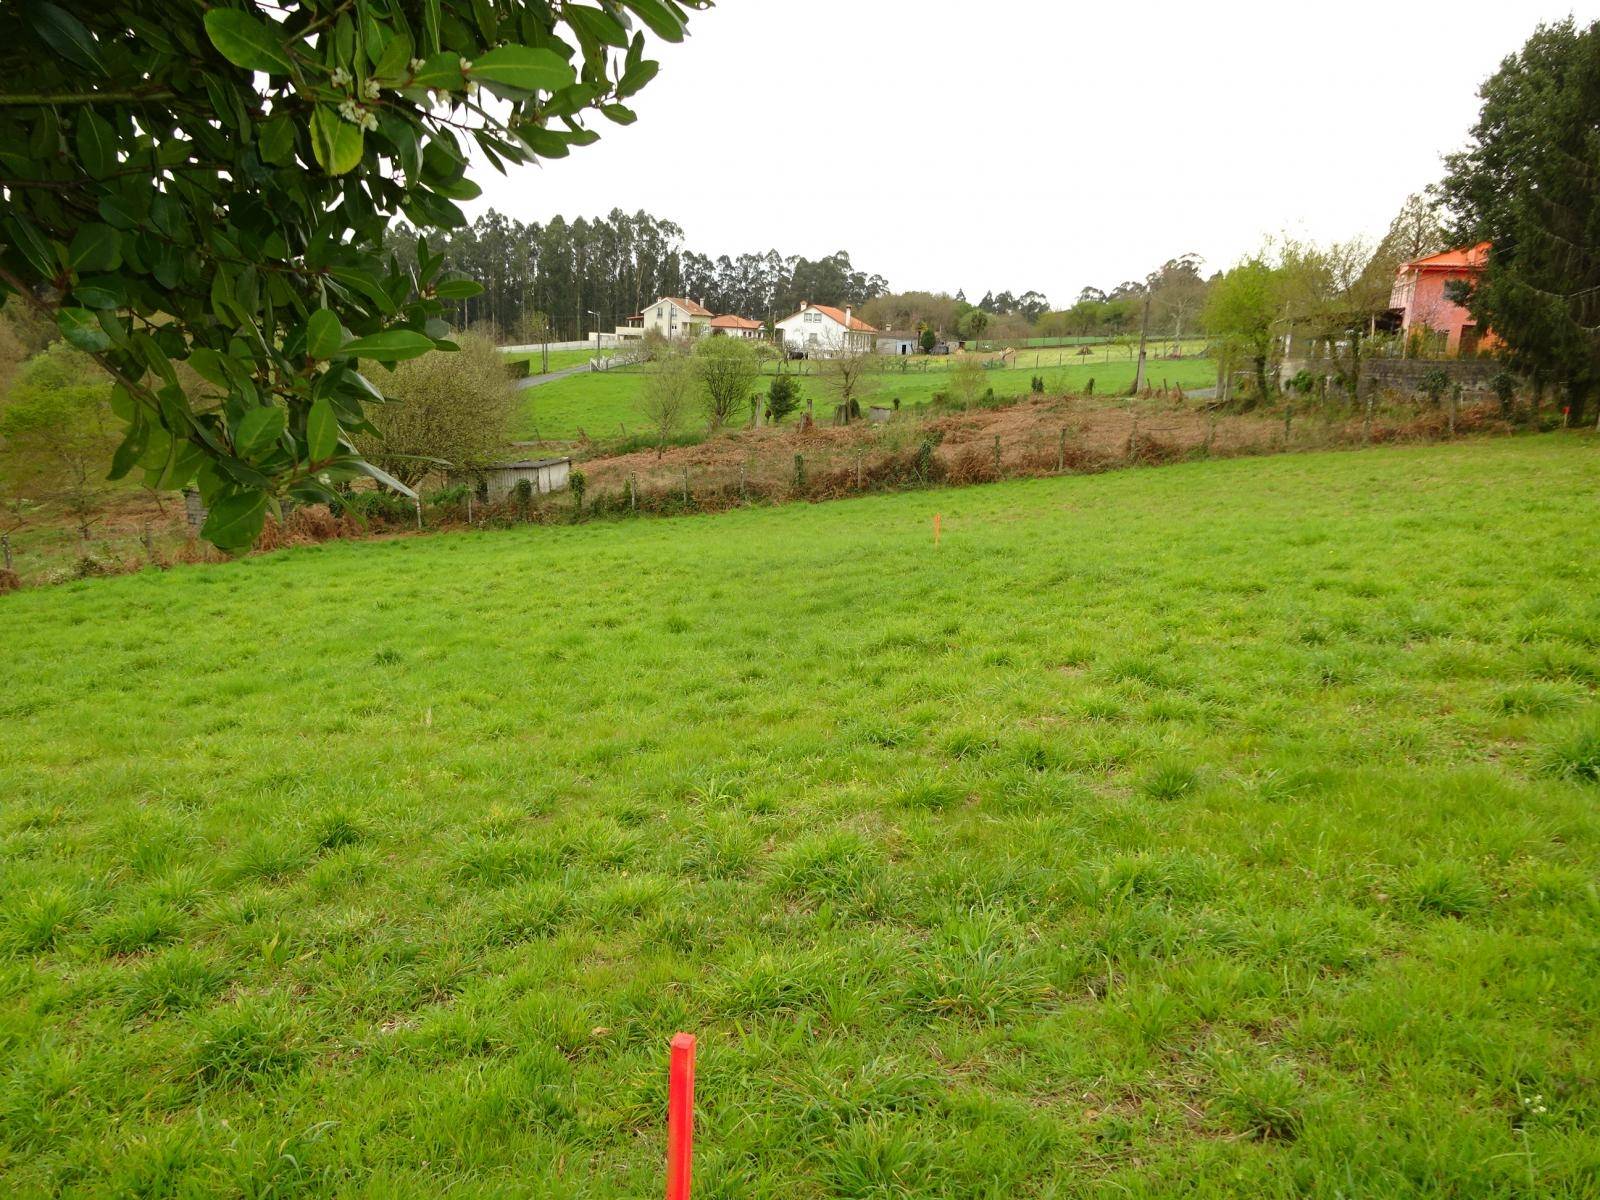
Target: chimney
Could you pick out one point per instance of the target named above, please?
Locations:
(847, 312)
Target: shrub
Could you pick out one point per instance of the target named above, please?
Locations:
(1434, 383)
(454, 407)
(1505, 389)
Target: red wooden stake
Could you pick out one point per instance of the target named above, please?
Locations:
(680, 1116)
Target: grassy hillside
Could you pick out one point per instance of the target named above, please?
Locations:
(1224, 829)
(598, 402)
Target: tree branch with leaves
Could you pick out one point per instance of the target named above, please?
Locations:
(210, 184)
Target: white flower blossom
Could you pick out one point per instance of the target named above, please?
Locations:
(415, 65)
(340, 78)
(370, 89)
(350, 111)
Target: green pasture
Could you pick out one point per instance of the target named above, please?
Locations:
(560, 360)
(601, 402)
(1225, 829)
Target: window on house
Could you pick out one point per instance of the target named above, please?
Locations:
(661, 311)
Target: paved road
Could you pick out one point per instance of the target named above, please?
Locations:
(536, 380)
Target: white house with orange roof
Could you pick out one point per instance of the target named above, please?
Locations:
(732, 326)
(821, 329)
(673, 317)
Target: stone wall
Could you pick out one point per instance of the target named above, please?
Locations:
(1402, 374)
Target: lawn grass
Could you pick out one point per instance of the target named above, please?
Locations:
(599, 402)
(560, 360)
(1227, 829)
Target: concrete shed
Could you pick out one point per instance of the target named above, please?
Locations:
(500, 480)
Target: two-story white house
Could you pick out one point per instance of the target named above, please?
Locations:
(821, 329)
(675, 318)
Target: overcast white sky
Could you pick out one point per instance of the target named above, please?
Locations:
(1015, 144)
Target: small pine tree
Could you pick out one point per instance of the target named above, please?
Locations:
(783, 397)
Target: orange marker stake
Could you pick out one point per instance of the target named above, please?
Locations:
(938, 520)
(680, 1116)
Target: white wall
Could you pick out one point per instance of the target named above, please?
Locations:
(815, 332)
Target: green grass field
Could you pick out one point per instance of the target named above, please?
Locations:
(599, 402)
(560, 360)
(1227, 829)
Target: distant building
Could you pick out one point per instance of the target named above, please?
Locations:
(897, 343)
(821, 329)
(1422, 297)
(731, 326)
(495, 483)
(675, 318)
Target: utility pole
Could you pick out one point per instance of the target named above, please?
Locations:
(1144, 334)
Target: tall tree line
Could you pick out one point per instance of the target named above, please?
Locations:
(593, 272)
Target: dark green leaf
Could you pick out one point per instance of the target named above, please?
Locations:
(96, 142)
(391, 345)
(322, 432)
(458, 289)
(65, 34)
(620, 113)
(80, 327)
(595, 24)
(248, 42)
(323, 334)
(364, 283)
(234, 521)
(92, 295)
(132, 448)
(662, 20)
(95, 247)
(442, 71)
(524, 67)
(117, 213)
(35, 247)
(636, 77)
(258, 429)
(207, 363)
(276, 140)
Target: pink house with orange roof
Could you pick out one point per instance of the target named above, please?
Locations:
(1422, 295)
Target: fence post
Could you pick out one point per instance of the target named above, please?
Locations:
(633, 492)
(145, 538)
(1288, 421)
(1366, 421)
(680, 1117)
(419, 514)
(1211, 431)
(686, 485)
(5, 545)
(799, 471)
(1133, 438)
(1455, 398)
(858, 469)
(741, 482)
